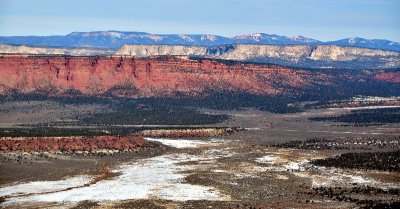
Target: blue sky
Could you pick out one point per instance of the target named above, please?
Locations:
(320, 19)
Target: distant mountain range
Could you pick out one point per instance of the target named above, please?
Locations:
(116, 39)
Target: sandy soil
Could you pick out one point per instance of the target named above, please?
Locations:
(242, 170)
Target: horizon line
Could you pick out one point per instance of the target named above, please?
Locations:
(224, 36)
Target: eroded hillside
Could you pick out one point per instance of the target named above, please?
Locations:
(131, 77)
(127, 76)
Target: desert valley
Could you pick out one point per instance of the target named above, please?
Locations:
(218, 126)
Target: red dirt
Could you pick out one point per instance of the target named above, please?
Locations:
(51, 144)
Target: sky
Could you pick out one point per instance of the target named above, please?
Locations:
(319, 19)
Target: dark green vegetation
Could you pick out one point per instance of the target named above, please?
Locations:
(235, 101)
(385, 161)
(380, 116)
(141, 111)
(359, 63)
(340, 143)
(344, 88)
(38, 131)
(351, 195)
(138, 112)
(53, 132)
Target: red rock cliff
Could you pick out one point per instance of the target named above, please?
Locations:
(130, 76)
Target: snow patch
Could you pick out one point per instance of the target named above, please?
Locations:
(160, 177)
(44, 186)
(281, 177)
(370, 107)
(179, 143)
(298, 166)
(270, 159)
(319, 175)
(218, 153)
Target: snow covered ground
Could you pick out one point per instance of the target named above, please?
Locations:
(368, 107)
(179, 143)
(319, 176)
(44, 186)
(160, 177)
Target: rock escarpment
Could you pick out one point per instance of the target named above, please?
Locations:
(156, 76)
(320, 56)
(130, 77)
(10, 49)
(159, 50)
(304, 56)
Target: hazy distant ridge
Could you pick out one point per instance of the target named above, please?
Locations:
(116, 39)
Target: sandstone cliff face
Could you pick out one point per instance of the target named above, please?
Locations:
(325, 56)
(305, 56)
(9, 49)
(341, 53)
(157, 50)
(247, 52)
(135, 77)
